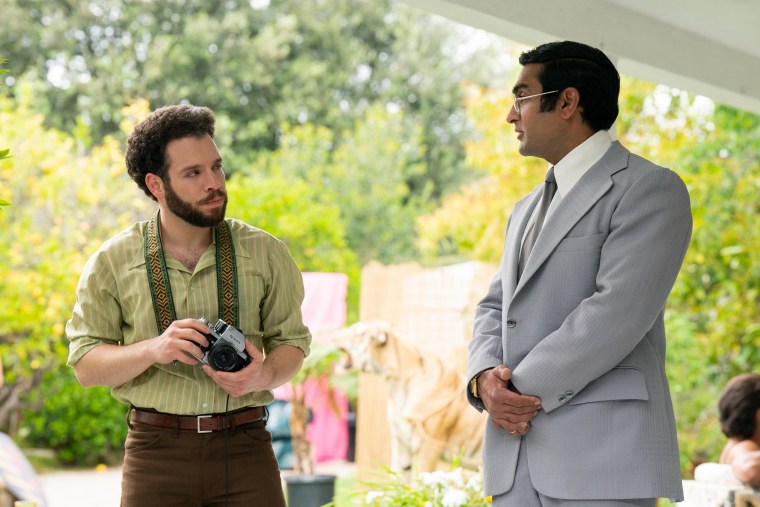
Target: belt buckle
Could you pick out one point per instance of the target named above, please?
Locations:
(198, 419)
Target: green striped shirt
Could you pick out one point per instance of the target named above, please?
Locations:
(114, 306)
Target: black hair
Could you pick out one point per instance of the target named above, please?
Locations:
(146, 146)
(573, 64)
(738, 405)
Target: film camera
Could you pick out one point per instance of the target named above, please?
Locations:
(226, 347)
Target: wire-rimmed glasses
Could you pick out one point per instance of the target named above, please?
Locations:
(517, 100)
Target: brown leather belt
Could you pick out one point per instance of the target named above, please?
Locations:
(199, 423)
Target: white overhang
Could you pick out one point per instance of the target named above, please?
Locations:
(705, 47)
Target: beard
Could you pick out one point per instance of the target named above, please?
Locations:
(191, 213)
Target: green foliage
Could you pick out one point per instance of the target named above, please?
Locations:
(66, 204)
(291, 210)
(267, 68)
(470, 223)
(259, 65)
(364, 179)
(713, 320)
(83, 426)
(717, 296)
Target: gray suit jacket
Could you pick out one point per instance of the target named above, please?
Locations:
(583, 331)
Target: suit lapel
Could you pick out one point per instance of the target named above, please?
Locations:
(589, 189)
(520, 216)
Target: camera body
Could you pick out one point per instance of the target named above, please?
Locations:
(226, 347)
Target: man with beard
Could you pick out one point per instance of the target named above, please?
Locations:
(197, 435)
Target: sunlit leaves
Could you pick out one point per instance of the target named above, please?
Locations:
(472, 220)
(291, 62)
(65, 204)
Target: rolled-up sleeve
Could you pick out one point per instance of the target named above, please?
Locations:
(281, 319)
(96, 318)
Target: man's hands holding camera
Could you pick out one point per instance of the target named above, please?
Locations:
(253, 377)
(187, 341)
(182, 341)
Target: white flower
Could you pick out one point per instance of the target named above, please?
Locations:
(437, 478)
(455, 477)
(372, 496)
(454, 498)
(474, 483)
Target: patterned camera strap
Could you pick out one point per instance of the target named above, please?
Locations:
(158, 276)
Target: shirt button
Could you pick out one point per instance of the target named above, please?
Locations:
(205, 405)
(511, 323)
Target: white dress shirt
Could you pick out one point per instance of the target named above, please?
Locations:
(572, 167)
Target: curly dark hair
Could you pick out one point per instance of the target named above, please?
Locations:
(738, 405)
(146, 146)
(573, 64)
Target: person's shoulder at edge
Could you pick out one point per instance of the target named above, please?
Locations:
(744, 459)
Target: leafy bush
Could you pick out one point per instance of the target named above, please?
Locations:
(83, 426)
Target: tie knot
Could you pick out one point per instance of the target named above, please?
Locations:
(550, 176)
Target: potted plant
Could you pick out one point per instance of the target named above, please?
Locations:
(304, 488)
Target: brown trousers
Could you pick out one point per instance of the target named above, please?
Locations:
(165, 467)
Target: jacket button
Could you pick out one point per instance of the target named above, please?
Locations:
(569, 393)
(561, 398)
(511, 323)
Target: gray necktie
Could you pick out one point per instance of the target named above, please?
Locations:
(550, 188)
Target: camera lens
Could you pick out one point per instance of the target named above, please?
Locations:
(224, 357)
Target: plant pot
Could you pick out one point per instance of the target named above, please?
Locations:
(351, 453)
(310, 490)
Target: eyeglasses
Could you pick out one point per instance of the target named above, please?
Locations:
(518, 100)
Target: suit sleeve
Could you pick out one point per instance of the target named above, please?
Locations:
(485, 349)
(640, 259)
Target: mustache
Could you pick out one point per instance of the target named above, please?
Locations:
(214, 195)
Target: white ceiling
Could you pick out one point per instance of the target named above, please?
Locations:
(706, 47)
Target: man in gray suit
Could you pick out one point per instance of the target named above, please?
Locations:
(568, 352)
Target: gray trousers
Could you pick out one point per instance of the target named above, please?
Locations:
(523, 494)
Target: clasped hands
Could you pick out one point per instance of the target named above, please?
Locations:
(508, 408)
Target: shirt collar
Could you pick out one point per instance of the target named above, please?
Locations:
(575, 164)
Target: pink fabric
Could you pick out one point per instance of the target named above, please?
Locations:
(328, 430)
(324, 308)
(324, 302)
